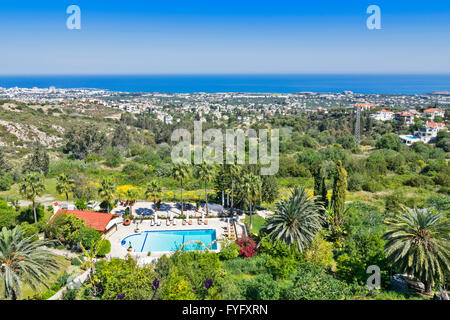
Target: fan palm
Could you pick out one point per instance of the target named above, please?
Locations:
(65, 185)
(251, 186)
(31, 187)
(153, 191)
(206, 173)
(23, 260)
(132, 195)
(297, 220)
(106, 191)
(418, 243)
(180, 172)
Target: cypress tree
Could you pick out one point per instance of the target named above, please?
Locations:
(320, 187)
(338, 198)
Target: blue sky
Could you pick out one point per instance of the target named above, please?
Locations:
(213, 36)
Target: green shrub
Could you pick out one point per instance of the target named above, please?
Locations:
(309, 282)
(252, 266)
(105, 248)
(282, 259)
(70, 294)
(27, 214)
(86, 236)
(30, 230)
(262, 287)
(230, 250)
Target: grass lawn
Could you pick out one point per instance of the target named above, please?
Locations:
(258, 222)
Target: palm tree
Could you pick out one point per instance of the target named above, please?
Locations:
(106, 191)
(153, 191)
(132, 195)
(251, 186)
(234, 171)
(65, 185)
(206, 173)
(180, 172)
(297, 220)
(23, 261)
(31, 187)
(418, 243)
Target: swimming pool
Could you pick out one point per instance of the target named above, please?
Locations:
(170, 240)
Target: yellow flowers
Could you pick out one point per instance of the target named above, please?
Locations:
(125, 188)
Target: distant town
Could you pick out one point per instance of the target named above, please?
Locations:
(247, 107)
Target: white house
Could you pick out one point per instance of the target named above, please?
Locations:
(433, 112)
(383, 115)
(426, 134)
(405, 116)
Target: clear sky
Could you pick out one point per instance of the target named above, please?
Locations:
(224, 36)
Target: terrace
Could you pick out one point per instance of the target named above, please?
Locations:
(169, 218)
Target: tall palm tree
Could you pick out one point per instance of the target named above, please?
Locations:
(23, 260)
(31, 187)
(65, 185)
(234, 170)
(180, 172)
(418, 243)
(106, 191)
(153, 191)
(251, 188)
(206, 173)
(297, 220)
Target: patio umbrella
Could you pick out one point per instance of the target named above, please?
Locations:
(187, 215)
(229, 228)
(171, 215)
(203, 216)
(156, 216)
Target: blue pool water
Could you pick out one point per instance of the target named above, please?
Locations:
(154, 241)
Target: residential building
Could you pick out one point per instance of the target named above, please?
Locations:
(426, 134)
(383, 115)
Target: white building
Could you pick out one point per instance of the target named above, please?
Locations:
(426, 134)
(383, 115)
(405, 116)
(432, 113)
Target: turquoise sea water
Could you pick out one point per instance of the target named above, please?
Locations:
(382, 84)
(153, 241)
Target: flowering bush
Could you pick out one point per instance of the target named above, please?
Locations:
(248, 247)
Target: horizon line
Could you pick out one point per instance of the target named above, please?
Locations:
(231, 74)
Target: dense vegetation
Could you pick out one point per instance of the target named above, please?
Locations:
(364, 197)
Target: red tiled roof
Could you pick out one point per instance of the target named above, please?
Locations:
(434, 124)
(95, 220)
(405, 114)
(432, 110)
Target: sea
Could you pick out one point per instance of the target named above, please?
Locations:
(267, 83)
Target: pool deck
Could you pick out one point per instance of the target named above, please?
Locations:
(119, 251)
